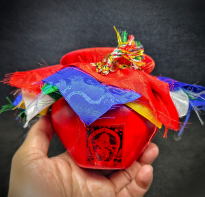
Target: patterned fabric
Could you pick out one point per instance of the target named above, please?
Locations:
(88, 97)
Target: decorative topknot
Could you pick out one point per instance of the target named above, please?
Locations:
(128, 49)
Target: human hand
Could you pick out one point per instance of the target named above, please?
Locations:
(33, 174)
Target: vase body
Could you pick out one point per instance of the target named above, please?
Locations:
(114, 141)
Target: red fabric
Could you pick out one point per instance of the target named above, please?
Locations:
(28, 80)
(153, 91)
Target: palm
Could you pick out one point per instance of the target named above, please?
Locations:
(60, 176)
(75, 181)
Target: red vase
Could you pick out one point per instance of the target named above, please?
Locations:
(114, 141)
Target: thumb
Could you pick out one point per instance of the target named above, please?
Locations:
(38, 139)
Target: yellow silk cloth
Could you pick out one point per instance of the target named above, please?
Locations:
(20, 105)
(145, 110)
(44, 112)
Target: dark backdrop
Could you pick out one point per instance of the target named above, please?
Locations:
(172, 33)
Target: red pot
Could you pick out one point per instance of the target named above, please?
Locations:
(114, 141)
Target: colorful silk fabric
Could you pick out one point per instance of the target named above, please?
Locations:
(153, 91)
(88, 97)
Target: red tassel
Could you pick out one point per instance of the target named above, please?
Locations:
(165, 132)
(7, 78)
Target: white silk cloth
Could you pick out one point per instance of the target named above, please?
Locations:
(181, 102)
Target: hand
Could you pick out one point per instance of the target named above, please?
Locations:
(33, 174)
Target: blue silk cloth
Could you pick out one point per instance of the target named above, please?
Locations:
(195, 89)
(17, 100)
(197, 100)
(175, 85)
(88, 97)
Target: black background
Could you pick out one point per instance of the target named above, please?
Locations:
(173, 34)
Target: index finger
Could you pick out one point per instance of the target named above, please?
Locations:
(39, 137)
